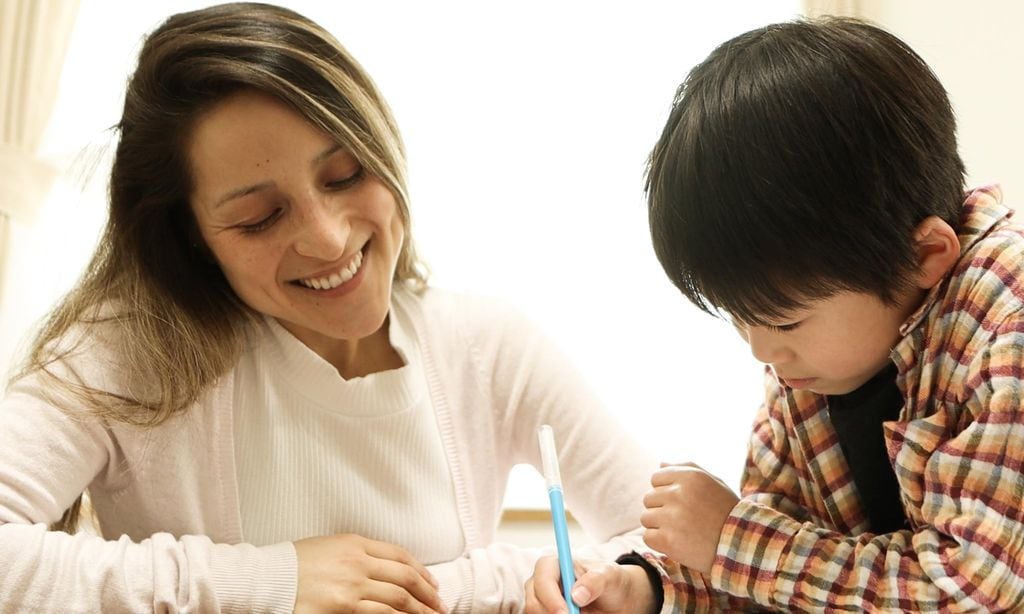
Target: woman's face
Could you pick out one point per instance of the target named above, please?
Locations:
(301, 231)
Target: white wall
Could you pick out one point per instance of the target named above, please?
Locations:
(527, 127)
(977, 50)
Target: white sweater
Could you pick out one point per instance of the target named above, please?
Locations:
(168, 498)
(318, 454)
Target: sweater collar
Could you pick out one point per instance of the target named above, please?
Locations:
(316, 379)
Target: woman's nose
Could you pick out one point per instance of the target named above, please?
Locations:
(321, 232)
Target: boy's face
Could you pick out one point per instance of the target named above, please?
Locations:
(834, 345)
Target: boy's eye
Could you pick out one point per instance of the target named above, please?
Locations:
(781, 328)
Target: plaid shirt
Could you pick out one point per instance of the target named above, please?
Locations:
(799, 538)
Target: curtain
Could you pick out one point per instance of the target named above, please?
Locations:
(34, 36)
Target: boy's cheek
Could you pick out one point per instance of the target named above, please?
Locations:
(742, 332)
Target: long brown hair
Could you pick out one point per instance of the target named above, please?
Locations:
(151, 297)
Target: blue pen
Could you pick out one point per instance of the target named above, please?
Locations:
(549, 459)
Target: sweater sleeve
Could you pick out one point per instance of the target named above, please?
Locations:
(528, 382)
(492, 578)
(49, 458)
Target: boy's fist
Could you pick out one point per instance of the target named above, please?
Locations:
(685, 514)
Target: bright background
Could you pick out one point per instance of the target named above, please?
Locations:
(527, 125)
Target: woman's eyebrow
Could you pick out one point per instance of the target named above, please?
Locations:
(256, 187)
(327, 153)
(244, 191)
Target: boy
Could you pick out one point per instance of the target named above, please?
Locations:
(808, 187)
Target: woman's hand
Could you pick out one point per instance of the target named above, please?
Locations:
(686, 511)
(601, 588)
(349, 573)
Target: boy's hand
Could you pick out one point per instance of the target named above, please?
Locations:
(685, 514)
(601, 588)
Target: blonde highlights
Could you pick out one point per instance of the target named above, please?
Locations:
(151, 300)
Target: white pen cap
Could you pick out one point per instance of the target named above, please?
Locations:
(549, 456)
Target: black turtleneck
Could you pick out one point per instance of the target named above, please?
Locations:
(857, 418)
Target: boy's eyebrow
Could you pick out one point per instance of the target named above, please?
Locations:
(256, 187)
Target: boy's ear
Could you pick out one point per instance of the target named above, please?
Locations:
(938, 248)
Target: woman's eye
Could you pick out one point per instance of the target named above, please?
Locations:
(263, 224)
(351, 180)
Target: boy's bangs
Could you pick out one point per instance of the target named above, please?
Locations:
(761, 300)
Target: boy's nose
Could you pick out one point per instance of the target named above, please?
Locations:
(767, 346)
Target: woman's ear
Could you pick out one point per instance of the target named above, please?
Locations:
(938, 249)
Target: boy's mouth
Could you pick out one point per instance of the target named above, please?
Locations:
(797, 383)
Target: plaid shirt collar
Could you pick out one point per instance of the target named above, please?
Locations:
(982, 210)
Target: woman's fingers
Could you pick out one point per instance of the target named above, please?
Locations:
(397, 598)
(408, 578)
(589, 586)
(547, 587)
(384, 550)
(349, 573)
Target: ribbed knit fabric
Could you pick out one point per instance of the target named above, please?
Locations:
(168, 497)
(319, 455)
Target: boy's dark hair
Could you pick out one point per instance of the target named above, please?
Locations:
(797, 160)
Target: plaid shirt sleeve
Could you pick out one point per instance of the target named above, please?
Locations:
(961, 473)
(770, 479)
(688, 591)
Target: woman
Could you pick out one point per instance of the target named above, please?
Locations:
(267, 405)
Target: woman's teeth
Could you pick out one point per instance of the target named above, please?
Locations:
(336, 279)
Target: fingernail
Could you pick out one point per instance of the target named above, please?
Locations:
(581, 595)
